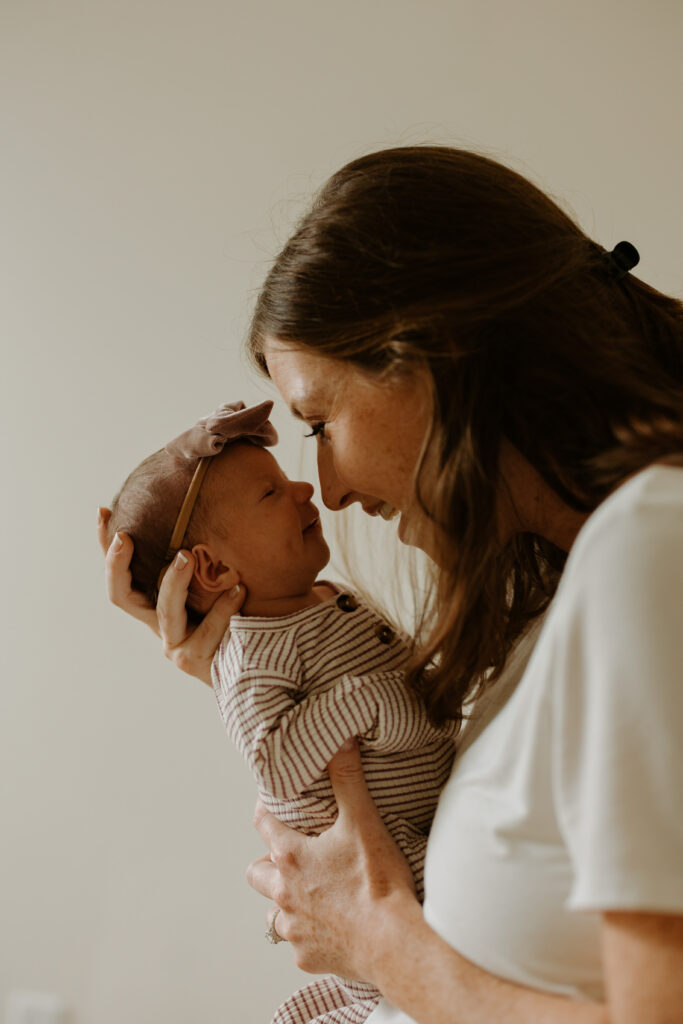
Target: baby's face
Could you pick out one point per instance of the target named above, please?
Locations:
(273, 537)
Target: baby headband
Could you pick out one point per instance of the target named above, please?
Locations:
(229, 423)
(621, 259)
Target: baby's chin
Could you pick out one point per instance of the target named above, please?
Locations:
(326, 557)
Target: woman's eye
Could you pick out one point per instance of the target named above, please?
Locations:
(317, 430)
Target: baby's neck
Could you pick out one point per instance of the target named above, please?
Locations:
(272, 607)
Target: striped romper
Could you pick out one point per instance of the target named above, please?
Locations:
(291, 689)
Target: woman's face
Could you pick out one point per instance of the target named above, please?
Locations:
(369, 433)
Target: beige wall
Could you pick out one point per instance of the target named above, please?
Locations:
(154, 155)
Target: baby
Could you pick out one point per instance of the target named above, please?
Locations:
(304, 666)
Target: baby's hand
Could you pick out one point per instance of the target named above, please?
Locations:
(191, 650)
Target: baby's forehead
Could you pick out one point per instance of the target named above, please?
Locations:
(242, 465)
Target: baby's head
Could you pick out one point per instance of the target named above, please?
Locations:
(244, 521)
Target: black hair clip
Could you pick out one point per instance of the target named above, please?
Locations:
(621, 259)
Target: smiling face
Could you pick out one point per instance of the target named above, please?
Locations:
(265, 530)
(370, 433)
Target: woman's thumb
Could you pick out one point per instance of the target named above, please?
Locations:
(348, 780)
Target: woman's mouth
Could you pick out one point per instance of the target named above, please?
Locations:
(388, 511)
(384, 509)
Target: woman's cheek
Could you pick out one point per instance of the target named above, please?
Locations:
(358, 464)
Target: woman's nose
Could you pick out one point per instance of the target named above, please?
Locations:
(335, 493)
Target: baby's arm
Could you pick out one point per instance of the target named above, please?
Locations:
(288, 742)
(402, 722)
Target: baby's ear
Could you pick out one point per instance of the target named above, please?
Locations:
(210, 573)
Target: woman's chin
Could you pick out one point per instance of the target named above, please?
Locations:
(412, 537)
(407, 533)
(402, 528)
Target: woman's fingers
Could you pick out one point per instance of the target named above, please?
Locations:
(172, 598)
(192, 652)
(266, 874)
(195, 654)
(103, 517)
(328, 886)
(273, 833)
(348, 782)
(386, 866)
(117, 562)
(263, 876)
(118, 577)
(213, 627)
(276, 915)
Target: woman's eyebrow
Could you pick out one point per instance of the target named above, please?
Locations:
(308, 396)
(311, 400)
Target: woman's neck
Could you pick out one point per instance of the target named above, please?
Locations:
(528, 505)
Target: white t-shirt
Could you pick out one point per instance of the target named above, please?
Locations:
(566, 796)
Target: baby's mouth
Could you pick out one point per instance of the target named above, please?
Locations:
(312, 525)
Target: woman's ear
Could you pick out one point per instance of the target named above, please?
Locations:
(210, 573)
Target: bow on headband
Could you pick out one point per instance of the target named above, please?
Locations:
(229, 423)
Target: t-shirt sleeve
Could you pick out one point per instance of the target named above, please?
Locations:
(617, 717)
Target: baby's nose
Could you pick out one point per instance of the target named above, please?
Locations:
(303, 490)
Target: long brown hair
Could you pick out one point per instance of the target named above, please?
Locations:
(447, 259)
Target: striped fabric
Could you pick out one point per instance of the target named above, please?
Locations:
(328, 1001)
(291, 690)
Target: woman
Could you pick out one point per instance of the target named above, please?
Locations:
(465, 355)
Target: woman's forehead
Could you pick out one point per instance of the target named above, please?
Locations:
(315, 385)
(303, 376)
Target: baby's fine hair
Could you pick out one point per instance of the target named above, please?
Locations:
(146, 508)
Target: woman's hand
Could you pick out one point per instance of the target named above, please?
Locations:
(347, 905)
(191, 650)
(335, 891)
